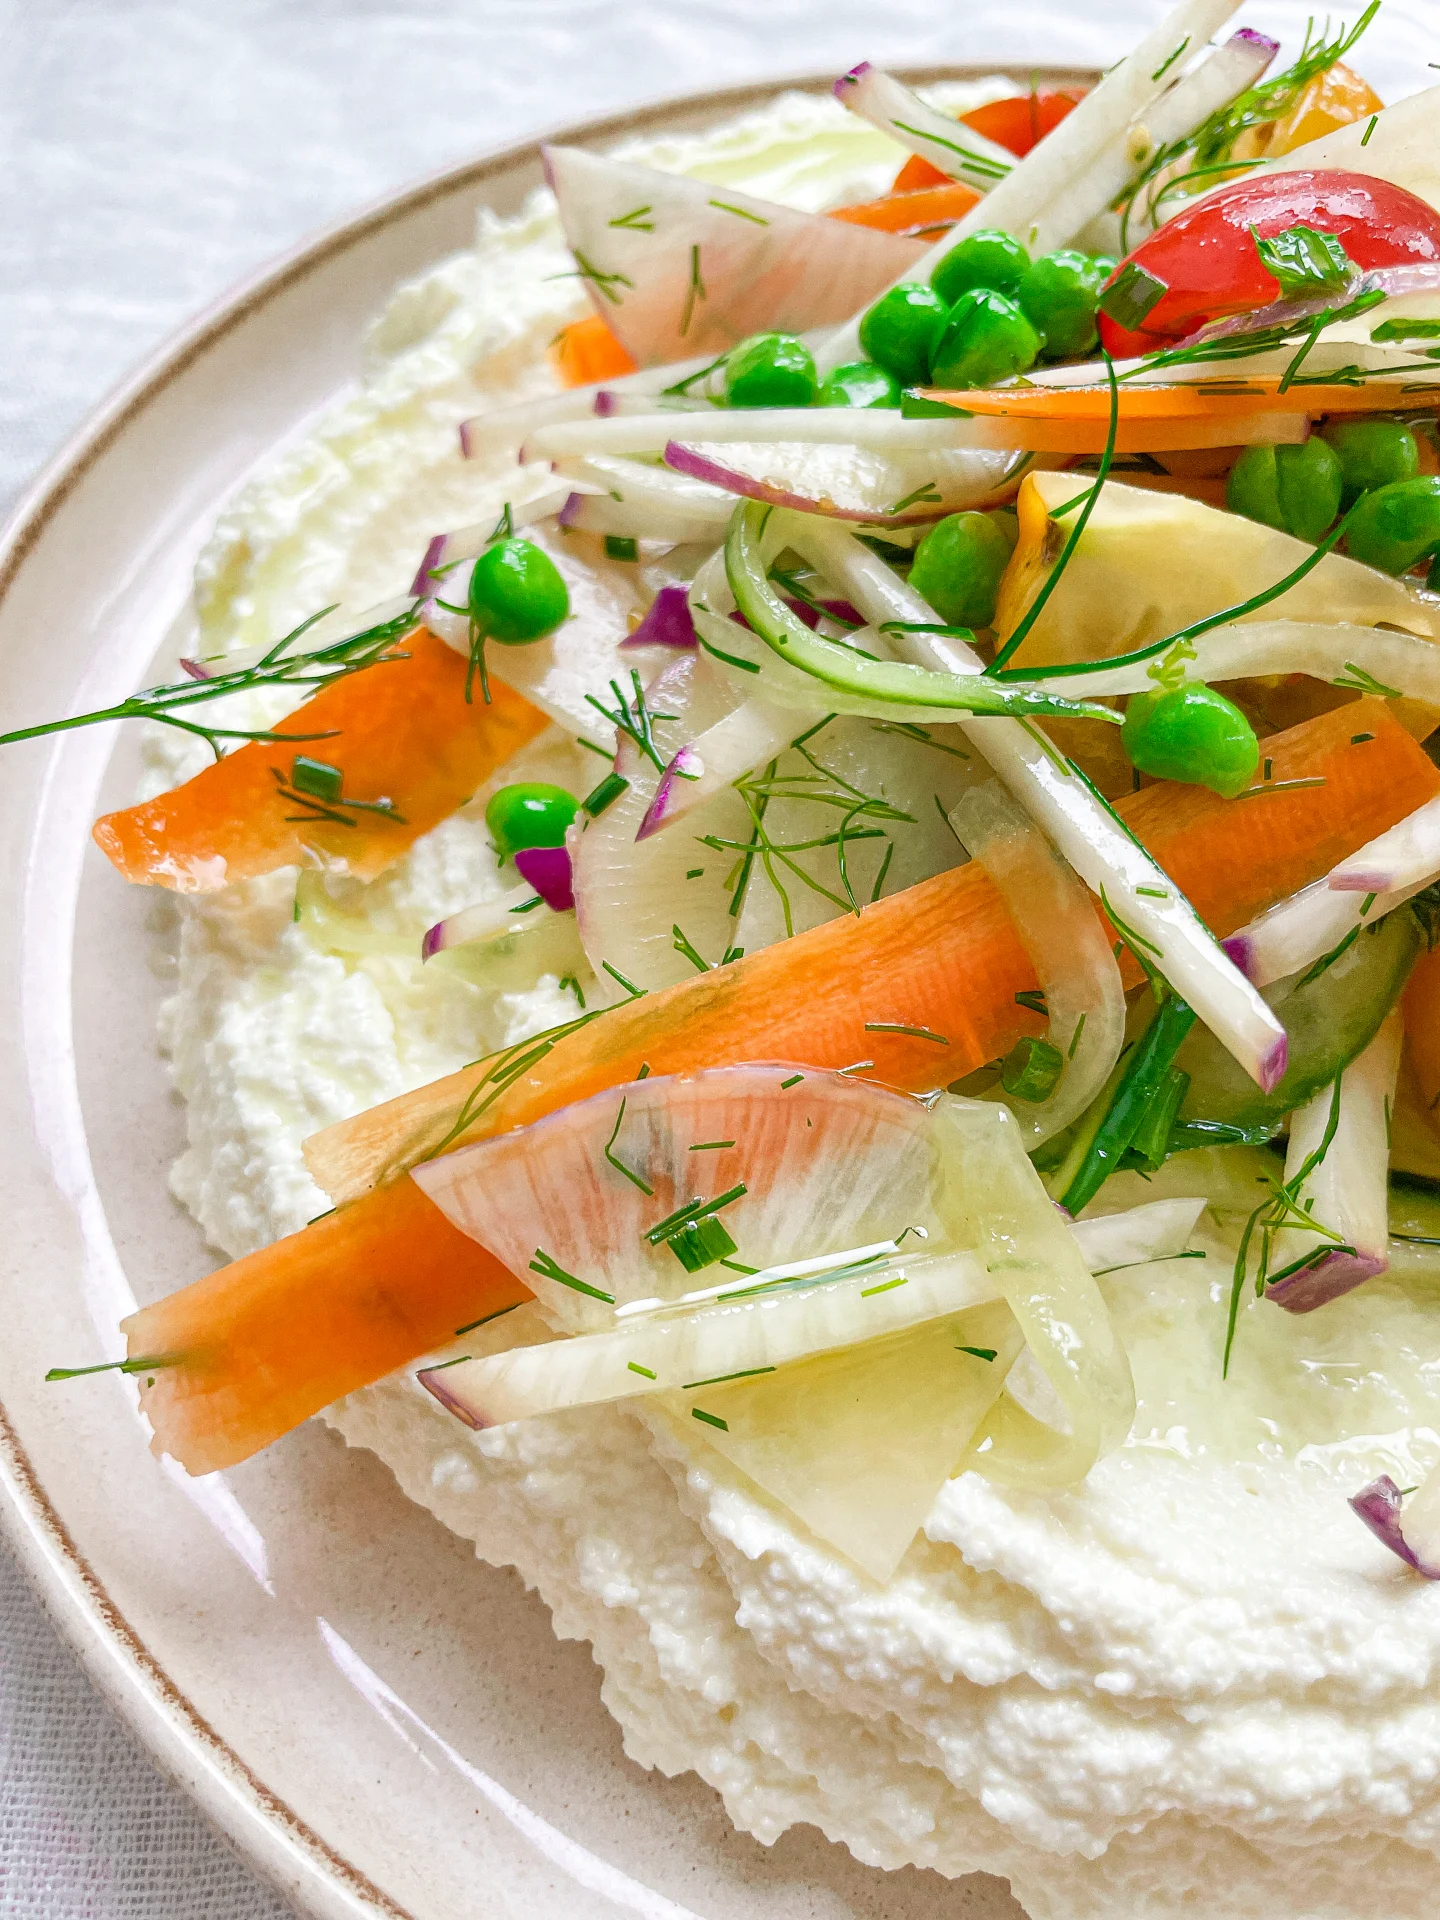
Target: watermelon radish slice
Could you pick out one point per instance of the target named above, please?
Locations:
(677, 267)
(854, 483)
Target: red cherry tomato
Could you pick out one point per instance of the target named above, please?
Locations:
(1024, 118)
(1207, 258)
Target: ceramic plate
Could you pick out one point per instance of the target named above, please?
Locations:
(383, 1724)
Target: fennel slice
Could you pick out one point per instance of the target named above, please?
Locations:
(748, 1336)
(857, 1444)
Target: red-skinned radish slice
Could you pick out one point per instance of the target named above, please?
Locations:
(678, 267)
(1412, 1532)
(1050, 905)
(506, 944)
(957, 150)
(1340, 1143)
(1303, 929)
(1403, 859)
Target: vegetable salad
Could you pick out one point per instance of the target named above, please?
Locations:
(1016, 599)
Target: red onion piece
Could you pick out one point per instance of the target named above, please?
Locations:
(1379, 1505)
(547, 870)
(422, 585)
(811, 617)
(1330, 1277)
(433, 1381)
(686, 765)
(667, 621)
(196, 669)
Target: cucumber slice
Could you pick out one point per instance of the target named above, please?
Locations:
(1330, 1017)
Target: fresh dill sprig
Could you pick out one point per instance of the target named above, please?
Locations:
(633, 719)
(306, 670)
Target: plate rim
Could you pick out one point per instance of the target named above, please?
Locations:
(269, 1836)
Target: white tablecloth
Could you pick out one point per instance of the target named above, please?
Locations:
(151, 151)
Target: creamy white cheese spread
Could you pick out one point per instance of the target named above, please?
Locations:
(1192, 1685)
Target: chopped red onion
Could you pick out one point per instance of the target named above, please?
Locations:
(1379, 1506)
(667, 621)
(422, 585)
(547, 870)
(686, 765)
(1331, 1276)
(433, 1381)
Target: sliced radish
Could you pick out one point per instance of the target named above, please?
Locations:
(1296, 932)
(1343, 1152)
(677, 266)
(1412, 1531)
(851, 482)
(630, 899)
(945, 142)
(507, 943)
(827, 1164)
(1407, 856)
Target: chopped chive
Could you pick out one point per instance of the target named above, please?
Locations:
(316, 777)
(710, 1146)
(1033, 1000)
(698, 1243)
(635, 220)
(1160, 71)
(605, 795)
(619, 546)
(550, 1269)
(697, 1210)
(619, 1165)
(710, 1419)
(856, 1066)
(528, 906)
(884, 1286)
(458, 1361)
(1031, 1069)
(498, 1314)
(1365, 137)
(719, 1379)
(635, 1367)
(1153, 893)
(738, 1266)
(1132, 295)
(569, 981)
(1267, 772)
(1367, 903)
(644, 1073)
(918, 1033)
(694, 873)
(695, 293)
(1358, 739)
(980, 1353)
(793, 1081)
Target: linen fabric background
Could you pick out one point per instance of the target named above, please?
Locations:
(151, 152)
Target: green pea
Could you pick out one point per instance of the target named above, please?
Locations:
(860, 383)
(529, 814)
(517, 592)
(989, 259)
(899, 331)
(986, 339)
(1296, 489)
(1396, 525)
(958, 567)
(1372, 453)
(1191, 733)
(771, 370)
(1059, 296)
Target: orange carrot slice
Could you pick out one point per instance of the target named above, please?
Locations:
(926, 210)
(402, 732)
(256, 1347)
(1016, 122)
(1156, 419)
(918, 172)
(587, 351)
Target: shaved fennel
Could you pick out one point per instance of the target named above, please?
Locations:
(1084, 997)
